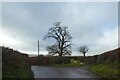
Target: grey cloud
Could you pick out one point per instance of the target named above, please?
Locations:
(87, 22)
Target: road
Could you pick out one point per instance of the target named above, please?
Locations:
(61, 72)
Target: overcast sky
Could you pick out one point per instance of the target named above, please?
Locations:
(94, 24)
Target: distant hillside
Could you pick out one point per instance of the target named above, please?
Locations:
(15, 64)
(106, 57)
(110, 56)
(106, 65)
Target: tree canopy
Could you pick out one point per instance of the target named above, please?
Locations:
(62, 46)
(84, 49)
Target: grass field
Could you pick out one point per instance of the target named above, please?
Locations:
(67, 65)
(73, 63)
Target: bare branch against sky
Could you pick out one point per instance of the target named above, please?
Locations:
(92, 23)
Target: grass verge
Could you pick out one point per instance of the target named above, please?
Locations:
(68, 65)
(105, 70)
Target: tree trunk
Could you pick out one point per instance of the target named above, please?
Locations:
(84, 57)
(60, 55)
(61, 51)
(84, 54)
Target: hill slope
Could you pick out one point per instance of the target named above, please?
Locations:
(15, 65)
(106, 65)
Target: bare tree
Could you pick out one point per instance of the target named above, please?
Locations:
(84, 49)
(63, 40)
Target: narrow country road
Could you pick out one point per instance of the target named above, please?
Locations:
(61, 72)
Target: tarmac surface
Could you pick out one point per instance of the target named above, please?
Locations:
(61, 72)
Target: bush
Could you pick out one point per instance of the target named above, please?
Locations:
(15, 65)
